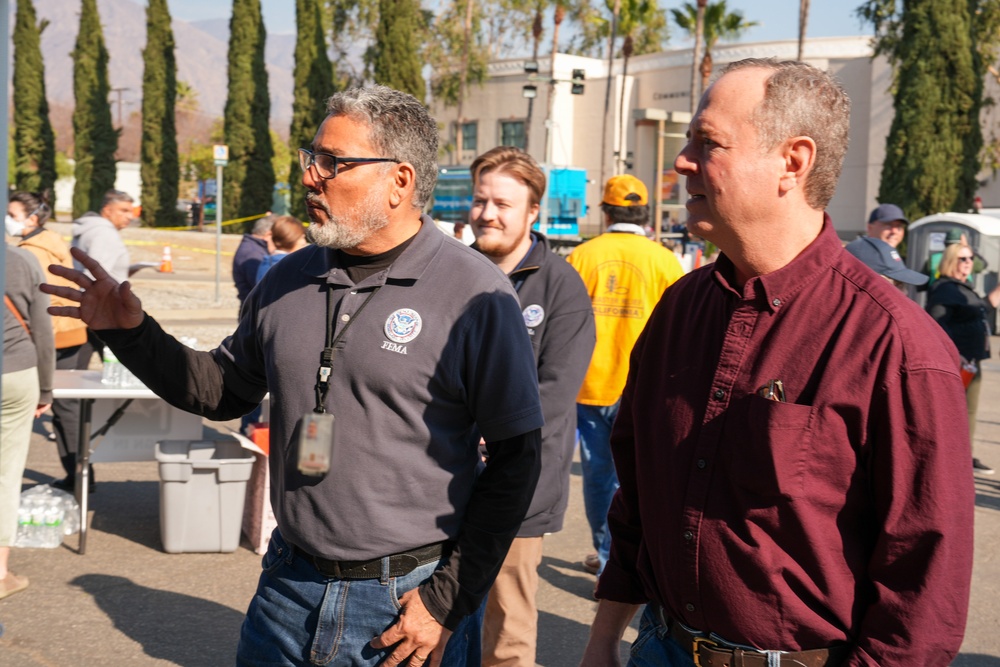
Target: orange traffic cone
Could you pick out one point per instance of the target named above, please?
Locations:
(166, 264)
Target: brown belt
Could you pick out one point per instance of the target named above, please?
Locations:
(707, 652)
(399, 564)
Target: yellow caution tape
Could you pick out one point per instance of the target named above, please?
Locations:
(209, 224)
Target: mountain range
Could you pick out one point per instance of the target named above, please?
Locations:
(202, 49)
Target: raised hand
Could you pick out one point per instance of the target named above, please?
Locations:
(104, 303)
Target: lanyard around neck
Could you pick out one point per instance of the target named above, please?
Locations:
(326, 357)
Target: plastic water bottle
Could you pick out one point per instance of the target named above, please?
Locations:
(111, 372)
(27, 536)
(52, 531)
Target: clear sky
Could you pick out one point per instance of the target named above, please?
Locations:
(778, 19)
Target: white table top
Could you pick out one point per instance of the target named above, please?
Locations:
(87, 384)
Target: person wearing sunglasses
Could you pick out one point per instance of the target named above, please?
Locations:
(383, 346)
(965, 317)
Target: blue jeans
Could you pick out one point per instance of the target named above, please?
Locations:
(301, 617)
(600, 481)
(654, 647)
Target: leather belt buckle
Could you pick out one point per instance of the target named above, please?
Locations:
(695, 646)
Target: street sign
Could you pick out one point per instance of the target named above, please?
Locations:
(220, 153)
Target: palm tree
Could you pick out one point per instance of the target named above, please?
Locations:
(632, 15)
(537, 28)
(464, 75)
(718, 23)
(699, 30)
(557, 18)
(803, 20)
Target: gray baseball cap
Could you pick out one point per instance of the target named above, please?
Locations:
(883, 259)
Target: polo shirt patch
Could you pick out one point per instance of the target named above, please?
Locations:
(403, 325)
(533, 315)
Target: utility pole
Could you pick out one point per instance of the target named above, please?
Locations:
(118, 92)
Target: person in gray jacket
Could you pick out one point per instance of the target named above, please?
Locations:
(507, 189)
(98, 235)
(29, 354)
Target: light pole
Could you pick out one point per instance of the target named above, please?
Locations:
(221, 154)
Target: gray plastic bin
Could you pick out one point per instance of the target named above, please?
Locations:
(202, 487)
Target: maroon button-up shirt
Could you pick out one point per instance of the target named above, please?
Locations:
(844, 513)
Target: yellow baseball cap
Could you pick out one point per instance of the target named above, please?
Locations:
(625, 190)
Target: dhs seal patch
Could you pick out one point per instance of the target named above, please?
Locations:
(533, 315)
(403, 325)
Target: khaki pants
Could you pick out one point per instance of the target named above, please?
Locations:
(20, 398)
(510, 629)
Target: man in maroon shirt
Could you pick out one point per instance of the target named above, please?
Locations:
(791, 443)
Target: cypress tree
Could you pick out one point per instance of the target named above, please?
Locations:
(34, 141)
(932, 151)
(249, 178)
(160, 167)
(95, 139)
(313, 85)
(396, 62)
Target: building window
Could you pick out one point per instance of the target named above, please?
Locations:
(512, 133)
(470, 136)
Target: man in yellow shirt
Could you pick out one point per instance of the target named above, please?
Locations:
(625, 274)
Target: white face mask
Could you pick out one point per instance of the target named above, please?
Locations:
(14, 227)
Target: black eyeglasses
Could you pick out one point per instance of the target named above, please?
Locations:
(965, 259)
(327, 165)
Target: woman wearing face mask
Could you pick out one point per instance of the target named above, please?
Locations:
(965, 317)
(27, 213)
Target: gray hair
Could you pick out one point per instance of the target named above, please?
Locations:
(399, 128)
(801, 100)
(263, 225)
(115, 196)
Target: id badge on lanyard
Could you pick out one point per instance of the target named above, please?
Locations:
(317, 432)
(316, 438)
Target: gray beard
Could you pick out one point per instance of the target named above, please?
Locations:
(350, 230)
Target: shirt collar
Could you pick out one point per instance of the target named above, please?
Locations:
(408, 266)
(774, 290)
(627, 227)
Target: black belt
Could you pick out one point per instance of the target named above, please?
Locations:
(399, 564)
(707, 651)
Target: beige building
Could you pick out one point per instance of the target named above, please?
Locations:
(657, 101)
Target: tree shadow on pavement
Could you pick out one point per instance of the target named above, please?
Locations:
(177, 628)
(988, 493)
(580, 583)
(130, 510)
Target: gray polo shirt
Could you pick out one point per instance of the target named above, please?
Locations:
(440, 347)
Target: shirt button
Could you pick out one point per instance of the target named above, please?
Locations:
(688, 535)
(701, 464)
(689, 606)
(345, 317)
(719, 394)
(775, 302)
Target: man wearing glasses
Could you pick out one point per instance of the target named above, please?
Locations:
(384, 346)
(791, 444)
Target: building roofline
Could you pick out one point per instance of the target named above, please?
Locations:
(817, 48)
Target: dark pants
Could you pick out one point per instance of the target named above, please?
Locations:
(65, 411)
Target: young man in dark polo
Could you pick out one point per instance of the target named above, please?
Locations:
(508, 186)
(384, 345)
